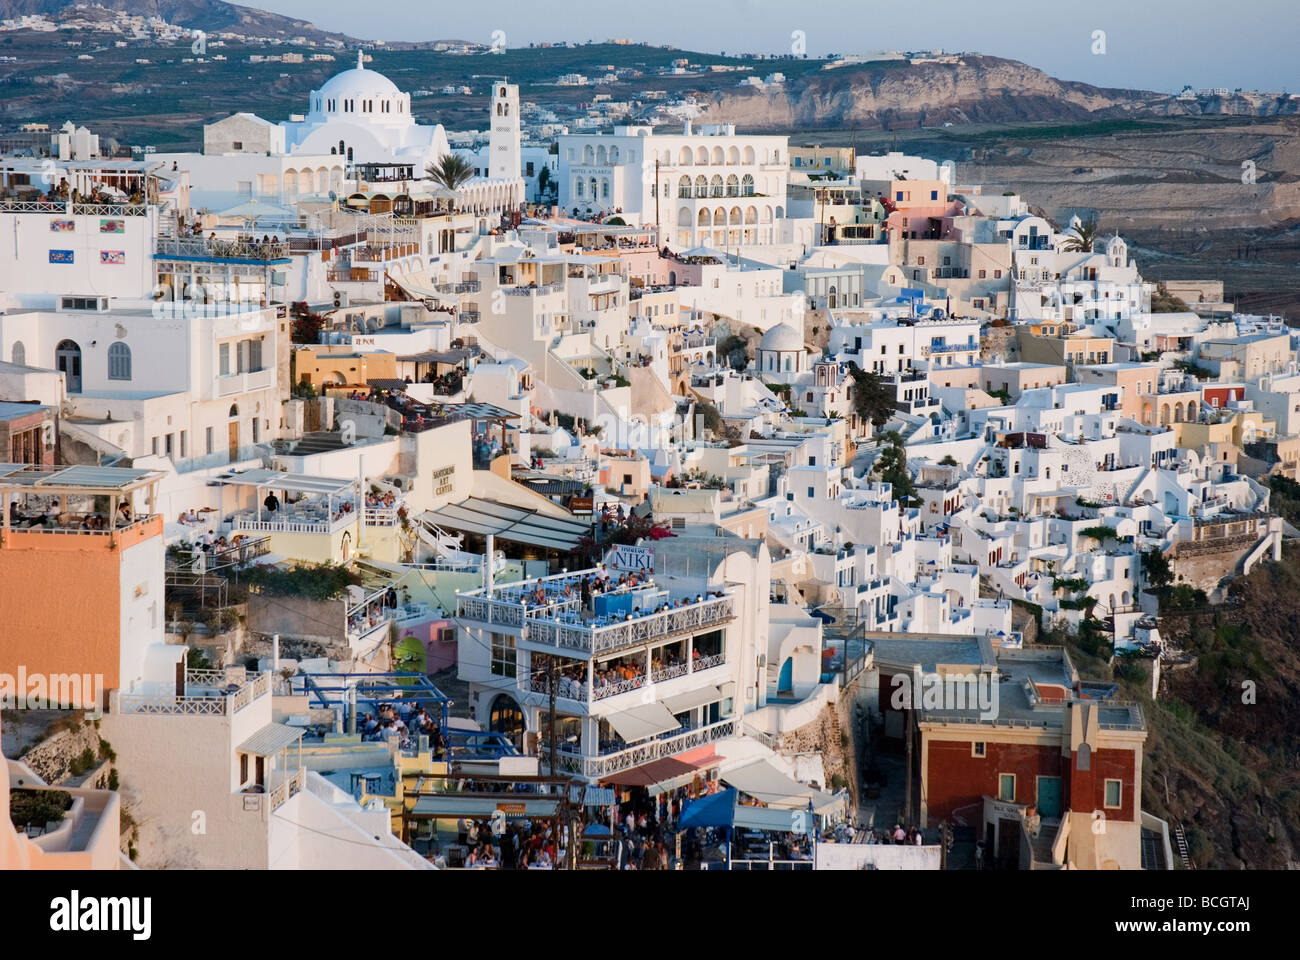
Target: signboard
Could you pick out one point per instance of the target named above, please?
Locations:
(631, 559)
(582, 504)
(444, 479)
(112, 226)
(61, 256)
(63, 226)
(113, 257)
(512, 809)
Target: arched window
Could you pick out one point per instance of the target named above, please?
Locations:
(119, 361)
(19, 354)
(234, 411)
(684, 187)
(701, 186)
(684, 158)
(747, 185)
(602, 157)
(67, 360)
(733, 186)
(613, 154)
(715, 186)
(349, 154)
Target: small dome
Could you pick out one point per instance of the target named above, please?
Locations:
(782, 337)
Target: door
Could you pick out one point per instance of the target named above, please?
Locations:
(1008, 844)
(260, 772)
(785, 684)
(67, 358)
(1049, 797)
(234, 439)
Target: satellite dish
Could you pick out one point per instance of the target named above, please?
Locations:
(938, 313)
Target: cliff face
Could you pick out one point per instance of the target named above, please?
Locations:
(976, 89)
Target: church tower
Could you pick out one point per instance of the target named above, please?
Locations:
(505, 160)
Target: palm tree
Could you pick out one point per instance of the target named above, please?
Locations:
(450, 172)
(1081, 238)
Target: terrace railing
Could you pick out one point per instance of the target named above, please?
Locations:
(594, 768)
(585, 639)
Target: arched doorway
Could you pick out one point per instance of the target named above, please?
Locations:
(506, 717)
(67, 360)
(785, 683)
(232, 429)
(346, 546)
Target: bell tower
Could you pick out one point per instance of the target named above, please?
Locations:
(505, 159)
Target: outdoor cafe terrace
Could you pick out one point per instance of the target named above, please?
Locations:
(552, 612)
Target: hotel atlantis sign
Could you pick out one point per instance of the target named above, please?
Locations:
(444, 479)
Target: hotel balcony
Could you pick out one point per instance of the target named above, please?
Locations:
(616, 757)
(618, 620)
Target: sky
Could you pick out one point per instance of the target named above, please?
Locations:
(1145, 44)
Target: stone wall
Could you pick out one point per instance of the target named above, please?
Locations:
(1206, 570)
(52, 758)
(830, 735)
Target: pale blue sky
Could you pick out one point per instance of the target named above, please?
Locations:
(1150, 44)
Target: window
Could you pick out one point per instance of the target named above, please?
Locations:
(997, 274)
(920, 261)
(223, 351)
(119, 361)
(207, 438)
(255, 354)
(185, 443)
(154, 447)
(1114, 793)
(934, 194)
(503, 655)
(811, 493)
(1007, 787)
(979, 747)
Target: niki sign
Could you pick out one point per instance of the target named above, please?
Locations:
(631, 559)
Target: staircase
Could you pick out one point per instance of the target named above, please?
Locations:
(320, 442)
(1180, 846)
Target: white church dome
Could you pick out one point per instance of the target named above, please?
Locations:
(359, 82)
(782, 337)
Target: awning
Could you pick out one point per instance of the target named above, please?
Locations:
(647, 720)
(768, 785)
(295, 482)
(777, 819)
(651, 773)
(483, 517)
(462, 806)
(270, 740)
(388, 383)
(682, 702)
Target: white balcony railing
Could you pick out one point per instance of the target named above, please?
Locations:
(594, 768)
(243, 382)
(586, 639)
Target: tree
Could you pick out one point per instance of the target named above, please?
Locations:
(710, 418)
(1081, 238)
(543, 180)
(1156, 567)
(872, 400)
(891, 465)
(450, 172)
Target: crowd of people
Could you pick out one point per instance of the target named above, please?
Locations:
(909, 837)
(524, 845)
(380, 501)
(406, 721)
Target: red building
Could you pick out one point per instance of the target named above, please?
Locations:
(1045, 767)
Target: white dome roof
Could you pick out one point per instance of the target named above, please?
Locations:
(359, 82)
(781, 337)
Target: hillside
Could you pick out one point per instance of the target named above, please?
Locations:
(976, 89)
(1221, 757)
(210, 16)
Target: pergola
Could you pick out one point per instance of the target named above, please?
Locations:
(275, 480)
(118, 484)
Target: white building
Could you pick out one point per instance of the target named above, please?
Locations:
(715, 186)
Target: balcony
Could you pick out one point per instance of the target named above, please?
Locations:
(233, 383)
(209, 249)
(594, 638)
(208, 693)
(78, 209)
(604, 765)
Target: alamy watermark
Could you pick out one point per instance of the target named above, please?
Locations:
(51, 691)
(946, 692)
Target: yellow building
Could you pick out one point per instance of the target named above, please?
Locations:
(341, 366)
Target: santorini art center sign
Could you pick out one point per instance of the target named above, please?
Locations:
(444, 479)
(631, 559)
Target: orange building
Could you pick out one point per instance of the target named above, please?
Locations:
(81, 580)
